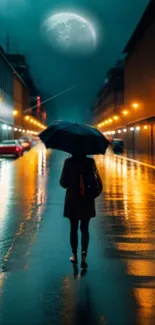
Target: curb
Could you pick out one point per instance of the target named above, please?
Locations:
(135, 161)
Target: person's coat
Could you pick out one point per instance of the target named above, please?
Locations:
(76, 206)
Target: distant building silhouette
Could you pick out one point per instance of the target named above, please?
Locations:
(111, 96)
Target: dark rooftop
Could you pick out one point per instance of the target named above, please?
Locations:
(146, 20)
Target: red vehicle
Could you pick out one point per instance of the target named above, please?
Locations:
(11, 147)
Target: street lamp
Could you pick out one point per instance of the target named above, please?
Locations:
(15, 112)
(135, 105)
(4, 126)
(125, 112)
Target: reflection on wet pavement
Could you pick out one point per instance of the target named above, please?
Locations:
(37, 283)
(23, 198)
(129, 197)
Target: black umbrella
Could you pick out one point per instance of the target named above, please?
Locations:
(74, 138)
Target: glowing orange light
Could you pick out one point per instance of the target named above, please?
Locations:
(15, 112)
(135, 105)
(125, 112)
(110, 120)
(145, 127)
(115, 117)
(27, 118)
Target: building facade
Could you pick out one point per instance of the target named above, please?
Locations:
(18, 61)
(136, 123)
(14, 100)
(21, 95)
(140, 83)
(6, 96)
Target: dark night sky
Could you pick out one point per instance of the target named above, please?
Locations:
(52, 71)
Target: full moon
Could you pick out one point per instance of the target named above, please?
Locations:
(71, 32)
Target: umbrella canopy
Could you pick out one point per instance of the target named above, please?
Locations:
(74, 138)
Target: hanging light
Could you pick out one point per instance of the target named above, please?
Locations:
(119, 131)
(145, 127)
(137, 128)
(124, 130)
(131, 129)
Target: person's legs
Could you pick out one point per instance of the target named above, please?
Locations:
(84, 240)
(74, 238)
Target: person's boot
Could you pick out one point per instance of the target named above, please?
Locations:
(73, 259)
(84, 264)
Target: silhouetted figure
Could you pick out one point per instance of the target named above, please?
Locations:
(79, 207)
